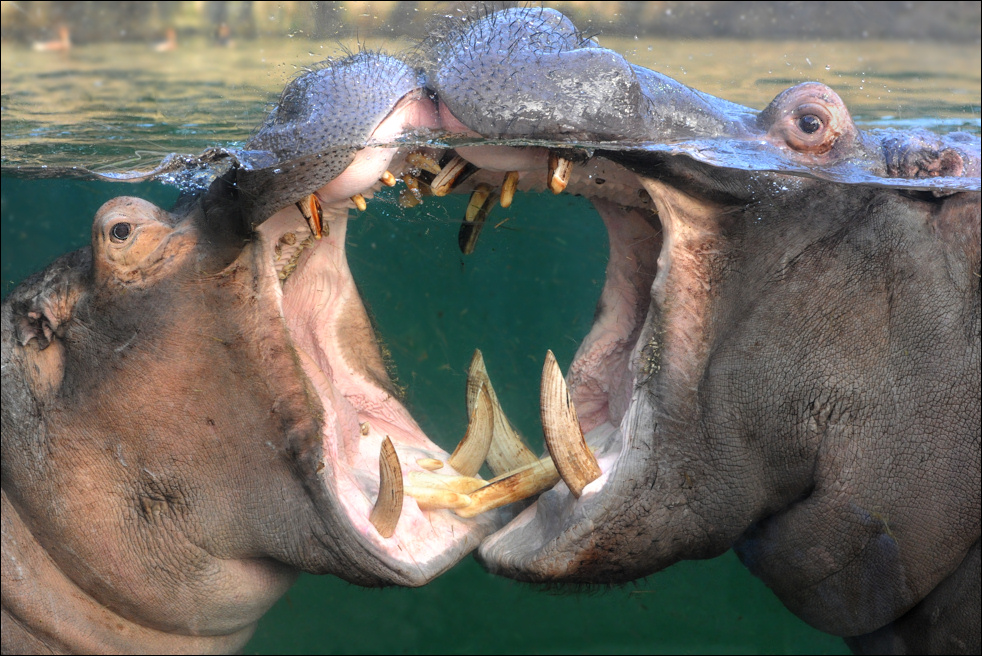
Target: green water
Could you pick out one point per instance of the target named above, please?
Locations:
(532, 285)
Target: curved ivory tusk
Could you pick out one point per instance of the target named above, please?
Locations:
(388, 506)
(472, 451)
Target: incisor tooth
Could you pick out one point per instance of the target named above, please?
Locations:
(430, 464)
(562, 432)
(508, 452)
(462, 484)
(359, 202)
(388, 506)
(481, 202)
(456, 171)
(470, 454)
(508, 188)
(560, 169)
(512, 487)
(388, 179)
(424, 162)
(428, 498)
(310, 207)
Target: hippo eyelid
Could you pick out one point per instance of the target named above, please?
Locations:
(120, 232)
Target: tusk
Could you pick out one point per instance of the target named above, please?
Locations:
(310, 207)
(508, 188)
(480, 204)
(462, 484)
(430, 464)
(560, 169)
(470, 454)
(423, 162)
(388, 506)
(456, 171)
(359, 202)
(508, 451)
(388, 179)
(561, 428)
(518, 485)
(428, 498)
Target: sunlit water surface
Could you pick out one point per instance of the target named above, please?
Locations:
(119, 107)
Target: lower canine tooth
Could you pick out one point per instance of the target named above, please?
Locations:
(456, 171)
(512, 487)
(428, 498)
(470, 454)
(388, 506)
(462, 484)
(424, 162)
(560, 169)
(359, 202)
(562, 432)
(508, 452)
(388, 179)
(508, 188)
(481, 202)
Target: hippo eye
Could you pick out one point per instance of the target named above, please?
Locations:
(120, 232)
(809, 123)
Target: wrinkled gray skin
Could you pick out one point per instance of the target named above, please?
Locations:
(802, 381)
(784, 365)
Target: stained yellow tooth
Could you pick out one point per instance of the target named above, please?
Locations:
(560, 169)
(462, 484)
(388, 179)
(470, 454)
(428, 498)
(508, 188)
(515, 486)
(450, 175)
(359, 202)
(562, 432)
(310, 207)
(508, 452)
(388, 506)
(424, 162)
(481, 202)
(430, 464)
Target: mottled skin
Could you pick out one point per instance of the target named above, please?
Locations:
(805, 386)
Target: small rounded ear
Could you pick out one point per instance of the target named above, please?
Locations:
(45, 303)
(808, 118)
(133, 241)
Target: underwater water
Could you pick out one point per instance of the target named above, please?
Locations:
(531, 285)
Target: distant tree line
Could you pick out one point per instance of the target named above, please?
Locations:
(99, 21)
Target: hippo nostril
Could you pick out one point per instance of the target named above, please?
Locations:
(809, 123)
(120, 232)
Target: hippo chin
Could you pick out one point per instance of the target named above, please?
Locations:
(784, 360)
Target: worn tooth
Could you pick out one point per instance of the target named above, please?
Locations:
(462, 484)
(515, 486)
(508, 451)
(388, 506)
(430, 464)
(424, 162)
(481, 202)
(359, 202)
(456, 171)
(428, 498)
(508, 188)
(310, 207)
(560, 169)
(388, 179)
(562, 432)
(470, 454)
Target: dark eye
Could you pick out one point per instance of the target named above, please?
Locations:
(809, 123)
(120, 231)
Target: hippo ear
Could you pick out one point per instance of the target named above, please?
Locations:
(45, 304)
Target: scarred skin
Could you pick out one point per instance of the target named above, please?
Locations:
(788, 366)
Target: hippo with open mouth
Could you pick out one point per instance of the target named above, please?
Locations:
(782, 361)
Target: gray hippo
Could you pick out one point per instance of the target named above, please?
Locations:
(782, 361)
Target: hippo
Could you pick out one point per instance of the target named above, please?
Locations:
(215, 375)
